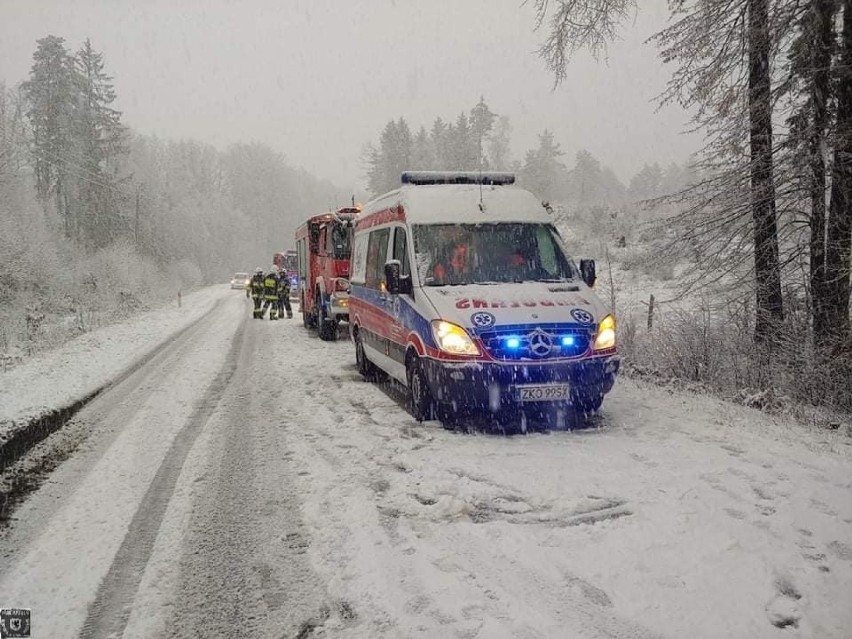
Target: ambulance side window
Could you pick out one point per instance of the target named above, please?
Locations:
(377, 251)
(400, 250)
(359, 259)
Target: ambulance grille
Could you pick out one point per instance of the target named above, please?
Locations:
(535, 344)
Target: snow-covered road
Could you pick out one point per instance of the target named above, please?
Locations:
(246, 482)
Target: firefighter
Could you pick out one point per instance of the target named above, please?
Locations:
(270, 293)
(284, 295)
(255, 290)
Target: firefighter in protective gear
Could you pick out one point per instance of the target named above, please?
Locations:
(270, 294)
(284, 295)
(255, 290)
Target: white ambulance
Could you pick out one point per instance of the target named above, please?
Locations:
(462, 290)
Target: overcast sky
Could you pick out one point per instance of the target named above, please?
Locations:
(318, 79)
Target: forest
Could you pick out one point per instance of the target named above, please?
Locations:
(752, 238)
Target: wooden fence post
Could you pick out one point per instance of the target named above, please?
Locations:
(651, 312)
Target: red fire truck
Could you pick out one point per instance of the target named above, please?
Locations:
(323, 247)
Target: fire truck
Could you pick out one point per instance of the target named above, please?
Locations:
(288, 261)
(323, 248)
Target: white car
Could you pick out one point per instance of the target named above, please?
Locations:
(240, 281)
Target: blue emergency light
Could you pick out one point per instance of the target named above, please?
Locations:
(567, 340)
(457, 177)
(513, 342)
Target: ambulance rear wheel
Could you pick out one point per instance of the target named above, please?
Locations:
(422, 403)
(366, 368)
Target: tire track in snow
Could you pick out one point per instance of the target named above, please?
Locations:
(33, 452)
(244, 565)
(109, 613)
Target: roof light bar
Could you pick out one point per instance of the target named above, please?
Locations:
(456, 177)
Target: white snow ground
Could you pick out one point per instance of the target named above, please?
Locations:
(675, 516)
(55, 379)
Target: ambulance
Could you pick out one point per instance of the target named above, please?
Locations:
(462, 290)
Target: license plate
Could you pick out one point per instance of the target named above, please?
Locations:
(543, 392)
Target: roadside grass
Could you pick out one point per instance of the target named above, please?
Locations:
(703, 341)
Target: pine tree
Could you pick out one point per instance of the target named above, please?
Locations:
(440, 136)
(647, 183)
(51, 96)
(386, 163)
(543, 172)
(100, 140)
(481, 123)
(463, 146)
(498, 145)
(422, 152)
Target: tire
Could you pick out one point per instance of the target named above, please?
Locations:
(421, 402)
(588, 404)
(326, 327)
(307, 321)
(449, 419)
(366, 368)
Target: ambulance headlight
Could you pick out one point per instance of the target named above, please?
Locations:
(453, 339)
(606, 334)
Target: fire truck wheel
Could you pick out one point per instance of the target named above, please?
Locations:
(422, 404)
(327, 326)
(307, 320)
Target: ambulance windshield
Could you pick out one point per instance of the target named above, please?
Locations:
(449, 254)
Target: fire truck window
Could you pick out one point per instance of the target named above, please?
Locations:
(377, 251)
(315, 234)
(341, 241)
(300, 246)
(323, 248)
(400, 250)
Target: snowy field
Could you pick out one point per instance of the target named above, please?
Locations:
(247, 479)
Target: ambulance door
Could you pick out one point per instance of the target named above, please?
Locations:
(397, 305)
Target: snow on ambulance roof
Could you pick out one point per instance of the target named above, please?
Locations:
(460, 204)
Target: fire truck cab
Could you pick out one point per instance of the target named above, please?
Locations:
(323, 247)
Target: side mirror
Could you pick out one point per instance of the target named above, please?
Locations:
(392, 270)
(587, 272)
(396, 282)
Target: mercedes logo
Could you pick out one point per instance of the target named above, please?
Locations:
(540, 343)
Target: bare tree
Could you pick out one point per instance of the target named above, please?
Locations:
(576, 25)
(838, 257)
(767, 269)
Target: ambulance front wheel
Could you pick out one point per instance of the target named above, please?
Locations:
(588, 404)
(422, 403)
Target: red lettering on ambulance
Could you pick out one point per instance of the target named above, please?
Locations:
(480, 304)
(463, 303)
